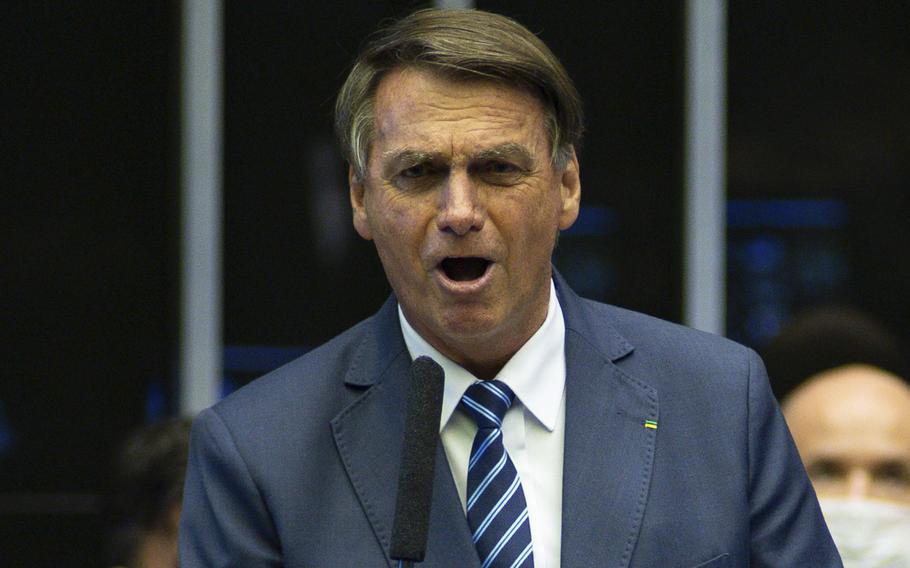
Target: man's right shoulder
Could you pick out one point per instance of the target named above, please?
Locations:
(324, 380)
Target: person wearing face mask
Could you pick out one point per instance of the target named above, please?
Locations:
(850, 420)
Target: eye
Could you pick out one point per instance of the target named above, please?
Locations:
(893, 472)
(418, 177)
(499, 167)
(826, 470)
(499, 172)
(415, 171)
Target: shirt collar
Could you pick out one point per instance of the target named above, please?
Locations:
(536, 373)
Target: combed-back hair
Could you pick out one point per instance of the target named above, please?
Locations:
(458, 44)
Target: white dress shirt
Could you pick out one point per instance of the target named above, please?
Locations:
(533, 429)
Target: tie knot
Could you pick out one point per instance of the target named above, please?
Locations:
(487, 402)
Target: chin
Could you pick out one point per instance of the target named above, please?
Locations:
(467, 326)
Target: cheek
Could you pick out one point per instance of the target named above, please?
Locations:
(387, 216)
(398, 226)
(533, 222)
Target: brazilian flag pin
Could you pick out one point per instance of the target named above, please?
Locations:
(650, 424)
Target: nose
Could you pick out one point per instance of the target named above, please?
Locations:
(859, 483)
(461, 208)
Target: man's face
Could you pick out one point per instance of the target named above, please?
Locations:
(852, 428)
(463, 205)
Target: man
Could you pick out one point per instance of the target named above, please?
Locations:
(573, 433)
(852, 427)
(849, 410)
(146, 500)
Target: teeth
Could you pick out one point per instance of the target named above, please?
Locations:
(465, 268)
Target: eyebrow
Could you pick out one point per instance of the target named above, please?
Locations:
(510, 150)
(400, 155)
(507, 150)
(393, 160)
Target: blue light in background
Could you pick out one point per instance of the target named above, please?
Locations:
(258, 359)
(594, 221)
(761, 255)
(784, 255)
(155, 402)
(228, 385)
(764, 321)
(6, 433)
(786, 214)
(253, 361)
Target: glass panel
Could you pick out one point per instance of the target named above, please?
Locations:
(819, 143)
(88, 286)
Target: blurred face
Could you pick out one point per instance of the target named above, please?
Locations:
(464, 206)
(158, 548)
(852, 428)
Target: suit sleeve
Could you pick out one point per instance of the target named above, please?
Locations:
(786, 524)
(224, 522)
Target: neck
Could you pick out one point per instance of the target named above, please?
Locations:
(484, 356)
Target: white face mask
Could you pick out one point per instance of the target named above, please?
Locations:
(869, 533)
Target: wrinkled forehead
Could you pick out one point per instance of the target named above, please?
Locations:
(412, 80)
(415, 105)
(457, 76)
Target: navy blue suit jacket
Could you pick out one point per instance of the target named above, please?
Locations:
(300, 467)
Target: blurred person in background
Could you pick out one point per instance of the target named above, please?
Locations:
(846, 398)
(148, 491)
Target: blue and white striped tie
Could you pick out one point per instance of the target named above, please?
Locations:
(497, 511)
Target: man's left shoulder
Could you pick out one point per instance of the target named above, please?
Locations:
(644, 331)
(660, 348)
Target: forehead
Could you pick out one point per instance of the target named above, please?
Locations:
(415, 106)
(852, 411)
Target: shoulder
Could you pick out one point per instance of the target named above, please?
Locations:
(672, 357)
(323, 366)
(285, 416)
(311, 389)
(640, 341)
(659, 338)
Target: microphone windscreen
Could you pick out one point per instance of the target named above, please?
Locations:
(418, 461)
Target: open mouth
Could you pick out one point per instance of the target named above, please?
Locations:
(464, 269)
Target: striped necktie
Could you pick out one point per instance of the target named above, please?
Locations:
(497, 511)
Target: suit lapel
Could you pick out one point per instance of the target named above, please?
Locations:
(607, 457)
(368, 436)
(608, 450)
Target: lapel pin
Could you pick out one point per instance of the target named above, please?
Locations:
(650, 424)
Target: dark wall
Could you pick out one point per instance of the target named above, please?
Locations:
(818, 111)
(88, 265)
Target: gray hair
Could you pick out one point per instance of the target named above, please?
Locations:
(459, 44)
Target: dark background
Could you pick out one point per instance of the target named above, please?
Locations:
(88, 286)
(819, 147)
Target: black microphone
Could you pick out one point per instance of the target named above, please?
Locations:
(418, 462)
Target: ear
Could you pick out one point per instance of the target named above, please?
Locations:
(570, 193)
(358, 205)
